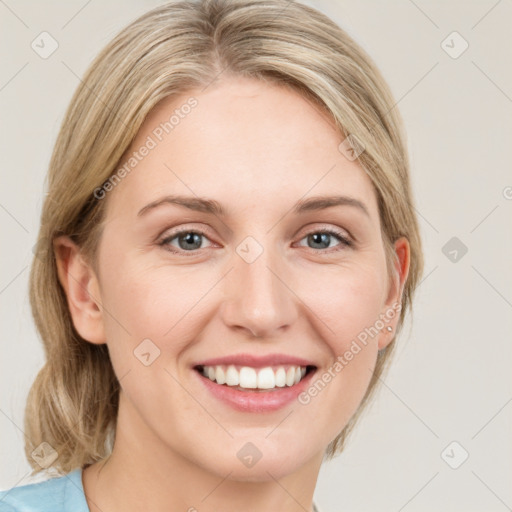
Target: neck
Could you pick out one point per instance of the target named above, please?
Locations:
(144, 474)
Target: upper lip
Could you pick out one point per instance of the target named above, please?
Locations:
(256, 361)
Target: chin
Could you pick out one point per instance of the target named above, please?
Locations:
(259, 460)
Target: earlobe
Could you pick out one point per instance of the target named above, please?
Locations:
(394, 301)
(81, 287)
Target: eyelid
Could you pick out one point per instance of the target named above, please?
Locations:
(311, 229)
(179, 228)
(319, 226)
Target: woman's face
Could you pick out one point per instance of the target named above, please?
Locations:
(261, 284)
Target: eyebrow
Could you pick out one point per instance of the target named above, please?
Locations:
(213, 207)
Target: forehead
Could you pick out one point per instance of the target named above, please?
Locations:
(244, 142)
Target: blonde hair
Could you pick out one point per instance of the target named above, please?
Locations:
(73, 402)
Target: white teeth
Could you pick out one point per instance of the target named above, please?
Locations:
(220, 376)
(248, 377)
(281, 377)
(252, 378)
(232, 376)
(290, 376)
(266, 379)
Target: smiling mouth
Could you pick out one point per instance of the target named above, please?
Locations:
(247, 378)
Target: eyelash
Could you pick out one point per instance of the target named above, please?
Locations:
(345, 242)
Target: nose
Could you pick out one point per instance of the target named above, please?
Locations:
(258, 299)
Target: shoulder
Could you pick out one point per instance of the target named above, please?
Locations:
(54, 495)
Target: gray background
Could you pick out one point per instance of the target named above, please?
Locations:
(451, 375)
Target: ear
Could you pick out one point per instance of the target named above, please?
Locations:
(393, 303)
(82, 290)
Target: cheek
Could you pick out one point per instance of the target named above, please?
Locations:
(347, 299)
(345, 305)
(163, 304)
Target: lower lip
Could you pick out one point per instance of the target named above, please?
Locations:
(256, 401)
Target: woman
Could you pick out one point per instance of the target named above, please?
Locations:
(228, 249)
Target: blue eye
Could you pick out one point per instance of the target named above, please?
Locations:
(323, 237)
(187, 240)
(190, 241)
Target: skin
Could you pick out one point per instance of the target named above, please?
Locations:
(257, 149)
